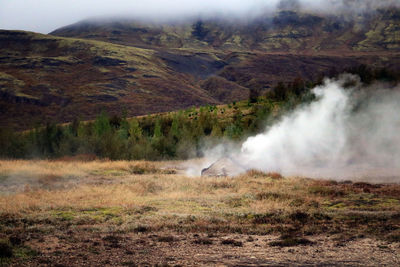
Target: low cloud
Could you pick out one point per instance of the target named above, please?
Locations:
(47, 15)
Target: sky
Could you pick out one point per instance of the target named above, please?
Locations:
(47, 15)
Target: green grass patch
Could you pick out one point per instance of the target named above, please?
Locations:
(113, 215)
(8, 252)
(363, 202)
(25, 252)
(64, 215)
(102, 214)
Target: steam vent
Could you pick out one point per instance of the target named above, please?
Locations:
(223, 167)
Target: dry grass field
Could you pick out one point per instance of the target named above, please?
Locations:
(104, 213)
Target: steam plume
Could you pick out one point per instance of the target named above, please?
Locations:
(344, 134)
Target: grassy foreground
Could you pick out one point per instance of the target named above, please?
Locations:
(77, 202)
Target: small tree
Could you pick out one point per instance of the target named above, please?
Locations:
(135, 131)
(157, 130)
(74, 127)
(280, 92)
(298, 86)
(102, 124)
(174, 132)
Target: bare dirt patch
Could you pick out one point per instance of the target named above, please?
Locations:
(94, 249)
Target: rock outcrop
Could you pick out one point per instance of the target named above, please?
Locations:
(223, 167)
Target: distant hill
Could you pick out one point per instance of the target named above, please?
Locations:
(51, 78)
(122, 66)
(284, 31)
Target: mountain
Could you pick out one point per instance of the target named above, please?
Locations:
(138, 68)
(285, 31)
(61, 78)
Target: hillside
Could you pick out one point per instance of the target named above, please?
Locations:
(121, 66)
(284, 31)
(61, 78)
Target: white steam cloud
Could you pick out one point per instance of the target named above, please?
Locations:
(47, 15)
(310, 137)
(344, 134)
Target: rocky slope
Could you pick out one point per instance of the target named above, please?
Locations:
(118, 66)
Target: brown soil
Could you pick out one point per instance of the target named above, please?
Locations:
(75, 248)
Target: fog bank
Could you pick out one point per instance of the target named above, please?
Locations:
(47, 15)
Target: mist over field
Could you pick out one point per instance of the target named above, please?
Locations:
(344, 134)
(45, 15)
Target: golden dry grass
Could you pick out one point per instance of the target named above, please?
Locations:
(149, 193)
(175, 194)
(35, 168)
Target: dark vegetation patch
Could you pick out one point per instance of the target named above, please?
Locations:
(6, 249)
(107, 61)
(203, 241)
(167, 239)
(102, 98)
(271, 196)
(299, 216)
(112, 241)
(285, 18)
(16, 239)
(268, 218)
(331, 191)
(291, 241)
(232, 242)
(145, 209)
(13, 248)
(144, 169)
(142, 229)
(25, 253)
(198, 65)
(394, 237)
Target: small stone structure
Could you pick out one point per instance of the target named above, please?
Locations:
(223, 167)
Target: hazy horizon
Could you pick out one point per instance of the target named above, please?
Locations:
(45, 16)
